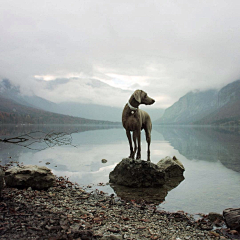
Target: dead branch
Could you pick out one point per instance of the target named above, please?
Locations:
(50, 139)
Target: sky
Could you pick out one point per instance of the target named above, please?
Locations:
(166, 48)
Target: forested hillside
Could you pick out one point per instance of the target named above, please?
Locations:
(14, 113)
(209, 107)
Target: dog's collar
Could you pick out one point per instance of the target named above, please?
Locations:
(131, 107)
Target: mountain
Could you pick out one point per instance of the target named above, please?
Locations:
(13, 113)
(89, 111)
(87, 107)
(228, 109)
(210, 107)
(190, 108)
(94, 111)
(8, 91)
(83, 110)
(12, 92)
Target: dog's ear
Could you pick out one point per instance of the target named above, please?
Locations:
(137, 95)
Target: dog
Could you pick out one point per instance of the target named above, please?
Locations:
(135, 119)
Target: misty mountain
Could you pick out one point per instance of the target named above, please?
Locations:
(12, 92)
(190, 108)
(93, 111)
(228, 109)
(9, 91)
(13, 113)
(99, 112)
(89, 111)
(206, 107)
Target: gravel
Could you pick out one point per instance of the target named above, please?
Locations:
(67, 211)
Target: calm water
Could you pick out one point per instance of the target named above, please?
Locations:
(211, 158)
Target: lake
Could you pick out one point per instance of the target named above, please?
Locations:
(211, 157)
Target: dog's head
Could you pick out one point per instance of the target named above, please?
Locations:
(142, 98)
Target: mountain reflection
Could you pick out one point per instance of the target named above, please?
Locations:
(15, 130)
(205, 143)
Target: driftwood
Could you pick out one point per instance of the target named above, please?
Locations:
(49, 139)
(232, 218)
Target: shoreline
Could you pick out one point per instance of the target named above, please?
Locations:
(67, 211)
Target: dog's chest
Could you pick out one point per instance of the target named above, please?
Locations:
(132, 122)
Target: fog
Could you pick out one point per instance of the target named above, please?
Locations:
(166, 48)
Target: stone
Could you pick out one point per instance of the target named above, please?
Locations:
(2, 182)
(36, 177)
(104, 160)
(171, 166)
(112, 237)
(212, 216)
(232, 218)
(137, 173)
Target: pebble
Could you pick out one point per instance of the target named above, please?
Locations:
(68, 212)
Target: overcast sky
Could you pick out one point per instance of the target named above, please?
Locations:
(166, 48)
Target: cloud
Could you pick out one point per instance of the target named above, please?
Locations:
(82, 90)
(165, 47)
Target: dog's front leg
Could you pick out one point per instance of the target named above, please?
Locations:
(139, 144)
(135, 134)
(130, 144)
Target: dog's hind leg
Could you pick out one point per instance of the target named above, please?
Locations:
(130, 144)
(138, 135)
(148, 139)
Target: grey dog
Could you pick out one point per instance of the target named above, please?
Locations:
(135, 119)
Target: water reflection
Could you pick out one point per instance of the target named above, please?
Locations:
(148, 195)
(11, 151)
(206, 143)
(15, 130)
(210, 157)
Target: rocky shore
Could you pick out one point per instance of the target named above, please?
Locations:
(66, 211)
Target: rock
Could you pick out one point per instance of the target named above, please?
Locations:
(232, 218)
(212, 216)
(104, 160)
(67, 213)
(32, 176)
(83, 234)
(112, 237)
(2, 182)
(140, 173)
(171, 166)
(137, 173)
